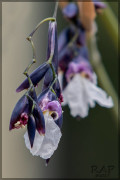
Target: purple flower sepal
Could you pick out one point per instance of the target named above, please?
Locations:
(53, 44)
(19, 117)
(79, 65)
(51, 50)
(83, 51)
(65, 57)
(63, 39)
(20, 113)
(39, 119)
(31, 128)
(47, 79)
(35, 77)
(23, 110)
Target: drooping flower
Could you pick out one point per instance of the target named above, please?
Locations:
(24, 115)
(44, 146)
(49, 103)
(81, 91)
(76, 76)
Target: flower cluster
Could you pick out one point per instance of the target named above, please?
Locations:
(43, 113)
(67, 75)
(76, 75)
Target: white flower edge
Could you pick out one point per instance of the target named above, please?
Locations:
(44, 146)
(80, 94)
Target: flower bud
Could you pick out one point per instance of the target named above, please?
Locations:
(22, 106)
(31, 127)
(39, 120)
(35, 77)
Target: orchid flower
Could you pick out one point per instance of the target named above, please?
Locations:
(49, 103)
(24, 115)
(77, 78)
(42, 114)
(44, 146)
(82, 92)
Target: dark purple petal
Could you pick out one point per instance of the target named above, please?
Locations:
(31, 127)
(53, 44)
(59, 121)
(57, 88)
(33, 94)
(51, 96)
(48, 79)
(83, 51)
(78, 59)
(39, 120)
(63, 39)
(81, 40)
(70, 11)
(21, 107)
(42, 95)
(35, 77)
(65, 57)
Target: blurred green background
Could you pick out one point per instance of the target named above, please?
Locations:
(90, 141)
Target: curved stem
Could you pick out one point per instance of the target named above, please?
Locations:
(33, 48)
(44, 20)
(55, 79)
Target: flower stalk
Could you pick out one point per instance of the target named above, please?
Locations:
(56, 8)
(44, 20)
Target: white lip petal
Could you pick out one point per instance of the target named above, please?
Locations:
(44, 146)
(80, 93)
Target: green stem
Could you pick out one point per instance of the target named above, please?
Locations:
(44, 20)
(55, 79)
(71, 43)
(33, 48)
(50, 59)
(34, 103)
(29, 80)
(102, 74)
(51, 65)
(53, 71)
(56, 8)
(109, 21)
